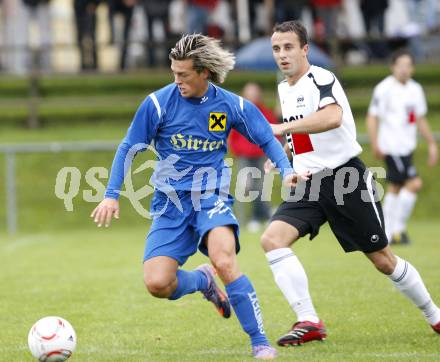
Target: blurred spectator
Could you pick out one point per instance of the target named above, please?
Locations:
(289, 9)
(156, 11)
(326, 12)
(85, 20)
(220, 23)
(125, 9)
(39, 12)
(197, 15)
(253, 6)
(422, 16)
(373, 13)
(423, 13)
(250, 155)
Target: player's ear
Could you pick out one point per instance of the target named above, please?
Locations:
(205, 73)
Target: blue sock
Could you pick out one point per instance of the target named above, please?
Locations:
(243, 299)
(189, 282)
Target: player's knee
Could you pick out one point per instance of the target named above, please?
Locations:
(223, 264)
(270, 241)
(157, 286)
(385, 265)
(414, 185)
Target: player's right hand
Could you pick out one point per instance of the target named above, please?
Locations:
(293, 179)
(102, 215)
(377, 153)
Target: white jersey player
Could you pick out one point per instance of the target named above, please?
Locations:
(397, 109)
(321, 138)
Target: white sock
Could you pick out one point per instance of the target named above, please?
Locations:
(291, 278)
(406, 202)
(407, 279)
(389, 213)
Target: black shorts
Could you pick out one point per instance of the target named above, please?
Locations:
(348, 202)
(400, 169)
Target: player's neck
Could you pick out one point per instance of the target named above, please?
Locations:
(294, 78)
(402, 81)
(202, 91)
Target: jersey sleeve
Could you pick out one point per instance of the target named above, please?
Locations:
(325, 82)
(252, 124)
(141, 132)
(373, 108)
(421, 105)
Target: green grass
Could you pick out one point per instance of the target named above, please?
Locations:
(93, 278)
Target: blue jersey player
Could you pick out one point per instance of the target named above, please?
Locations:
(189, 122)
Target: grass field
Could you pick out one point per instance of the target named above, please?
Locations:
(93, 278)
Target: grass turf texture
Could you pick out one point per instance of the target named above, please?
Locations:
(93, 278)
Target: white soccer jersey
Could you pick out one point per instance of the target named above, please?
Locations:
(397, 107)
(330, 149)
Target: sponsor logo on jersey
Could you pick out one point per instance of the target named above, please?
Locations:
(183, 142)
(300, 101)
(217, 122)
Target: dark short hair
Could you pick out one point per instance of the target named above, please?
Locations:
(293, 26)
(401, 53)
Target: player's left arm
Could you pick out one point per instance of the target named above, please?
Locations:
(325, 119)
(253, 125)
(425, 131)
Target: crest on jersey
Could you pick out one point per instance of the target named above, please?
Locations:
(217, 121)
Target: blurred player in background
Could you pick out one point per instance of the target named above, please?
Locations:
(189, 122)
(321, 138)
(398, 108)
(250, 155)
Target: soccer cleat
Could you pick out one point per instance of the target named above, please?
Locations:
(303, 332)
(436, 327)
(400, 238)
(404, 239)
(213, 293)
(396, 239)
(264, 352)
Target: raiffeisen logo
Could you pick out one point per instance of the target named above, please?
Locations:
(182, 142)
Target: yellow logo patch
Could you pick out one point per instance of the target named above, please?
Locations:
(217, 122)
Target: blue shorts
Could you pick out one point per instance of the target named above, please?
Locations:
(177, 233)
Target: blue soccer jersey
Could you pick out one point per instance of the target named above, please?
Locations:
(190, 137)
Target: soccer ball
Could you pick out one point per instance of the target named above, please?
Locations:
(52, 339)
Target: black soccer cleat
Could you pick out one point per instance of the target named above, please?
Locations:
(213, 293)
(303, 332)
(404, 239)
(400, 239)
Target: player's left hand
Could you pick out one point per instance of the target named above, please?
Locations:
(294, 178)
(432, 154)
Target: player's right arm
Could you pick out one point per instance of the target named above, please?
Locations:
(372, 126)
(372, 122)
(139, 135)
(325, 119)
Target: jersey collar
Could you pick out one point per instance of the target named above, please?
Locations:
(210, 93)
